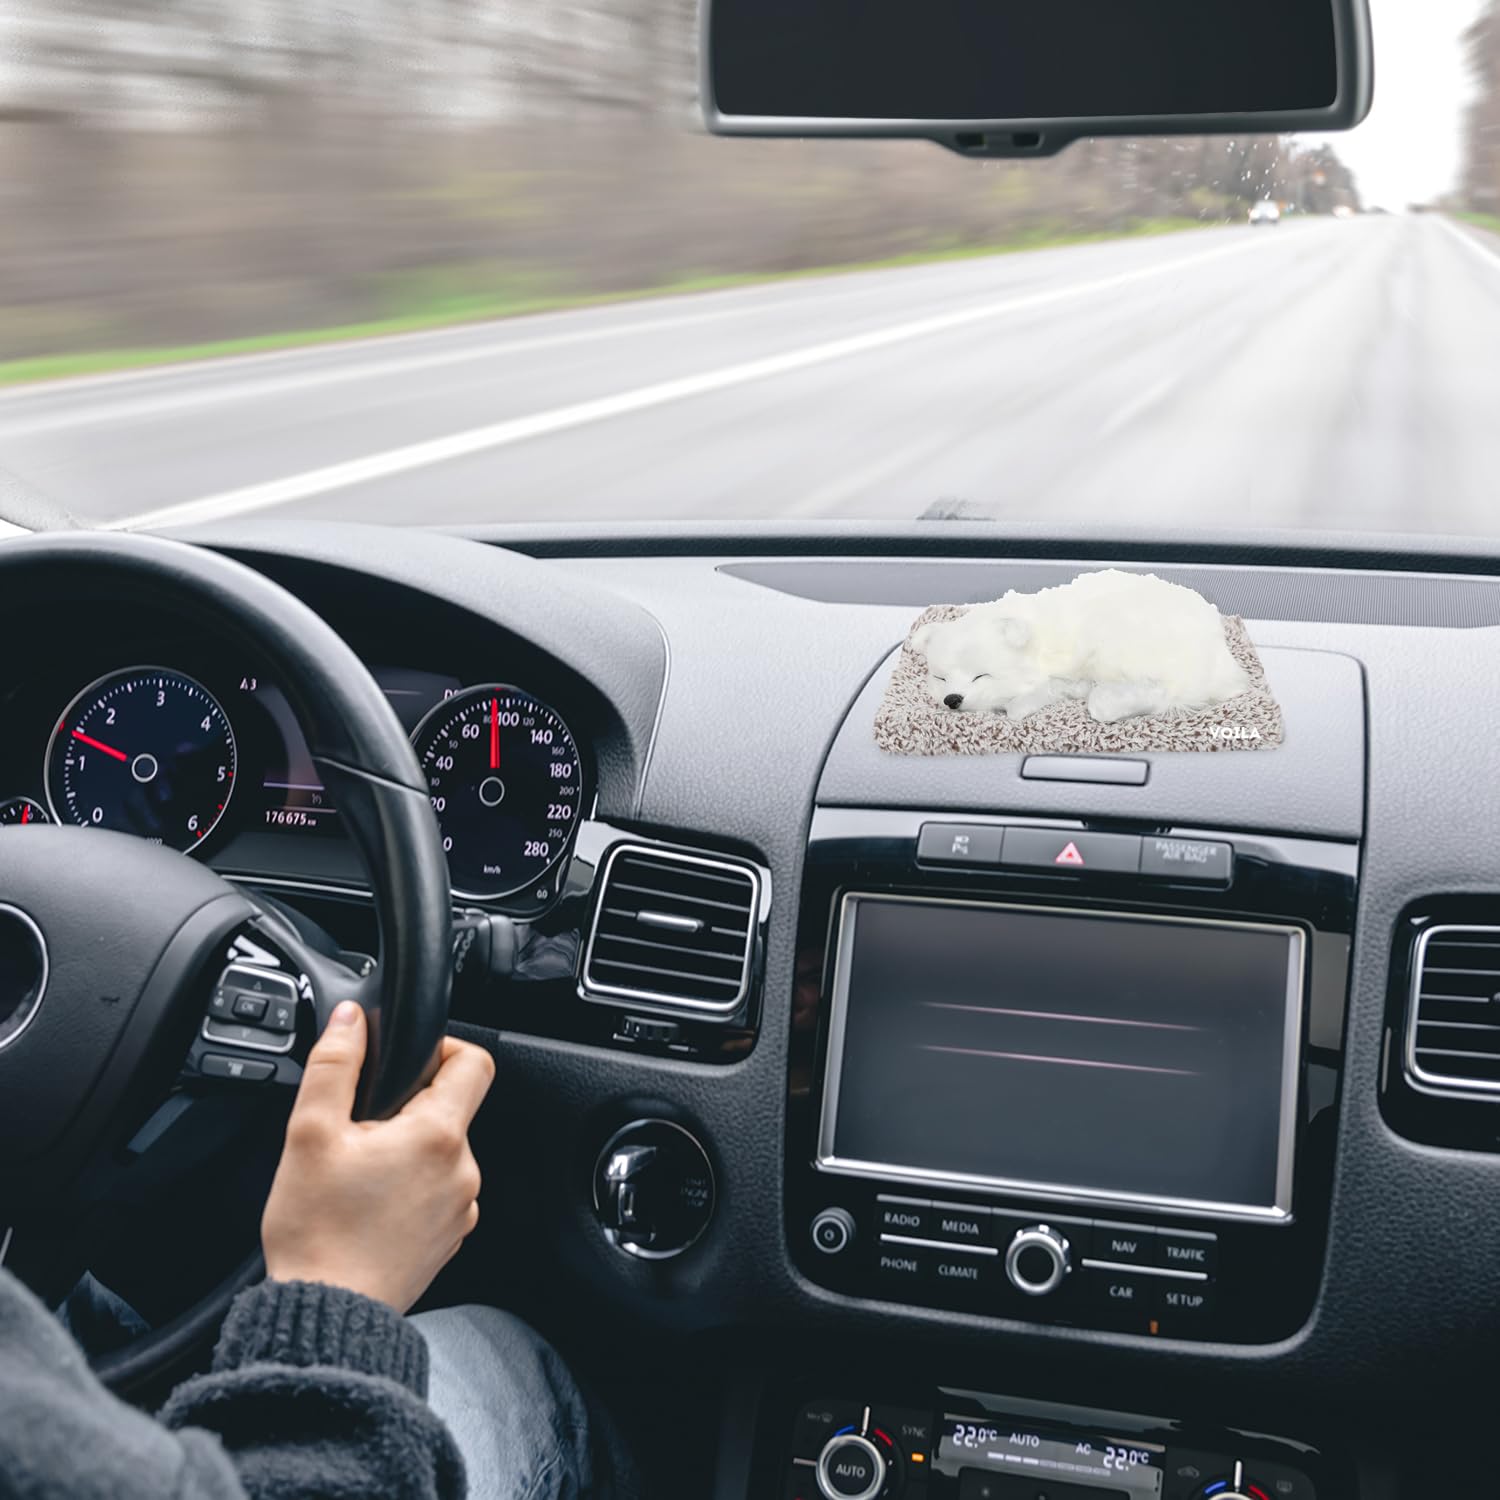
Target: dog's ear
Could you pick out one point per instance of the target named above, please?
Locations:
(1014, 632)
(921, 637)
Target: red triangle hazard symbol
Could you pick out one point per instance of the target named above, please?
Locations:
(1069, 856)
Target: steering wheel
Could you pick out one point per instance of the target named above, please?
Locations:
(117, 954)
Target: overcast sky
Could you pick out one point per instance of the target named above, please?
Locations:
(1410, 149)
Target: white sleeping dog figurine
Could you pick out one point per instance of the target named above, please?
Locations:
(1129, 643)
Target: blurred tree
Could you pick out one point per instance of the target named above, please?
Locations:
(185, 170)
(1481, 179)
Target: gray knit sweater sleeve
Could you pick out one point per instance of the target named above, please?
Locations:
(314, 1394)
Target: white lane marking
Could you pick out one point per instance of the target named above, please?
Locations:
(134, 408)
(772, 298)
(277, 492)
(34, 392)
(1139, 405)
(1483, 251)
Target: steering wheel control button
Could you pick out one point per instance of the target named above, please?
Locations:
(23, 972)
(959, 844)
(851, 1468)
(249, 980)
(281, 1015)
(1068, 853)
(236, 1069)
(1188, 859)
(1038, 1260)
(255, 1038)
(832, 1231)
(253, 1008)
(1185, 1250)
(654, 1189)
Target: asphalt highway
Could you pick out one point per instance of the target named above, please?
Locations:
(1322, 373)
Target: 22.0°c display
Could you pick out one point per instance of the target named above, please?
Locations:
(145, 751)
(506, 784)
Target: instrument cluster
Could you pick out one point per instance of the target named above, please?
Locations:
(212, 762)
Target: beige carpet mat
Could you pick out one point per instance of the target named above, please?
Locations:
(910, 723)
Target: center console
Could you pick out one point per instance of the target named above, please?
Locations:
(1068, 1073)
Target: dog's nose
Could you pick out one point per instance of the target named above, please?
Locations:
(954, 700)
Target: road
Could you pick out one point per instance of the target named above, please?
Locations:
(1338, 374)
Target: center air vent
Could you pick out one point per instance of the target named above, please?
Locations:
(673, 931)
(1453, 1028)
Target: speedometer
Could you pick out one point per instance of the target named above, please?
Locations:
(145, 751)
(506, 784)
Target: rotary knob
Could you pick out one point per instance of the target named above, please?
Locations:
(851, 1467)
(1235, 1487)
(1038, 1260)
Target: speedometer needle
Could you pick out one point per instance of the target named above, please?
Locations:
(78, 734)
(494, 734)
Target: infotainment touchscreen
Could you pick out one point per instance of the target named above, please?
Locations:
(1133, 1059)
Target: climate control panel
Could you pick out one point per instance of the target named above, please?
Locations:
(959, 1445)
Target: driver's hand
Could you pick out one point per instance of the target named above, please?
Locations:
(377, 1206)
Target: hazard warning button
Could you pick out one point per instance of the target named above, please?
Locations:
(1068, 853)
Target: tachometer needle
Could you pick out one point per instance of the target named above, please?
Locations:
(78, 734)
(494, 734)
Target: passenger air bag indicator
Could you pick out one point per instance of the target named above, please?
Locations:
(1187, 859)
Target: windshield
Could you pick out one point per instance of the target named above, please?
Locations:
(469, 263)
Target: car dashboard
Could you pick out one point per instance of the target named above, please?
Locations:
(1236, 1258)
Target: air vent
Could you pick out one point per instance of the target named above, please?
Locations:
(672, 931)
(1453, 1028)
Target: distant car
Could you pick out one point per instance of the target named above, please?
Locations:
(1343, 211)
(1265, 213)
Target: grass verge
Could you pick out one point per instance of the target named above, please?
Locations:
(429, 312)
(1483, 221)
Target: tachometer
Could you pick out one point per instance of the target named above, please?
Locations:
(145, 751)
(506, 785)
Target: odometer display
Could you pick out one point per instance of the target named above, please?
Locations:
(506, 784)
(145, 751)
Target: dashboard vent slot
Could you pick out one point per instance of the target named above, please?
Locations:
(673, 931)
(1453, 1027)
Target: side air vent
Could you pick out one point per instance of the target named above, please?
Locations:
(1453, 1026)
(673, 931)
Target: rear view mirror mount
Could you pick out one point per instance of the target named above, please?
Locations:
(998, 78)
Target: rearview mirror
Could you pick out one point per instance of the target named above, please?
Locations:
(1011, 78)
